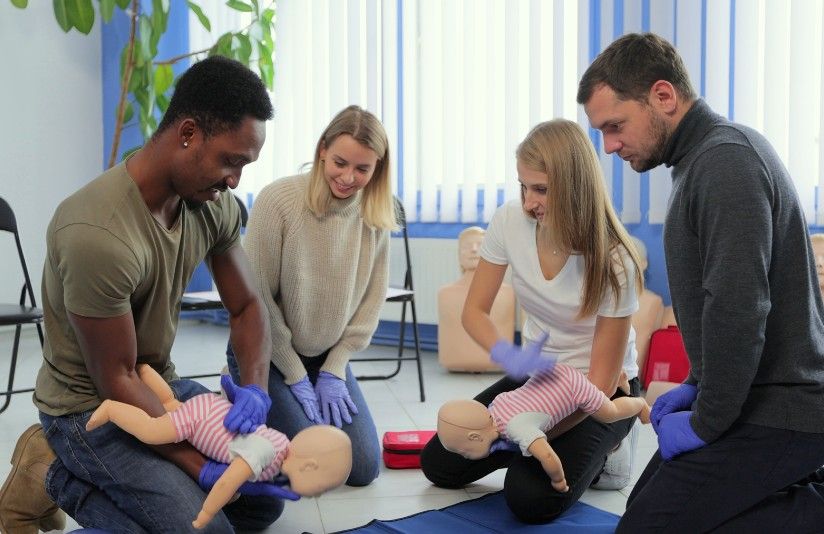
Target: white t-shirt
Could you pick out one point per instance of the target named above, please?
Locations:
(552, 305)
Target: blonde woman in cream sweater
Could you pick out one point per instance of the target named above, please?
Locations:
(318, 244)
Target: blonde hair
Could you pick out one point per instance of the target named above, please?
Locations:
(817, 238)
(377, 204)
(579, 213)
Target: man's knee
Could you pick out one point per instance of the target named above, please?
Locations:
(253, 513)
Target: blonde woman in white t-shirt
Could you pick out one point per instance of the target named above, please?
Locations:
(576, 275)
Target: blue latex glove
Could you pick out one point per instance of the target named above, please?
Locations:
(212, 471)
(520, 362)
(334, 399)
(305, 394)
(676, 435)
(250, 404)
(502, 444)
(677, 399)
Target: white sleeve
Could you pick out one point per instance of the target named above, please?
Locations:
(493, 248)
(525, 428)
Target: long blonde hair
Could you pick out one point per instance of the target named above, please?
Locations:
(579, 213)
(377, 204)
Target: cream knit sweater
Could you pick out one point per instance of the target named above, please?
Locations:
(323, 279)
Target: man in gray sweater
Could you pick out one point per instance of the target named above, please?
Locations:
(742, 440)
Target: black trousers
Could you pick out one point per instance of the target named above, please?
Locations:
(753, 479)
(527, 488)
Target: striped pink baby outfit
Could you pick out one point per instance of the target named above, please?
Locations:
(557, 394)
(199, 421)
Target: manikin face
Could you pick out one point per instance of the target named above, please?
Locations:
(533, 191)
(818, 250)
(636, 132)
(469, 247)
(216, 163)
(347, 165)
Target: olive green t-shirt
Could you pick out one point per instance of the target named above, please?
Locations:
(106, 256)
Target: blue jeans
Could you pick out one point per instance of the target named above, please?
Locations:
(108, 479)
(287, 416)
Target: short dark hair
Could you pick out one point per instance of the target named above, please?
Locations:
(218, 93)
(631, 64)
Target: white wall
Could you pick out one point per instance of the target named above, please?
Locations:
(51, 127)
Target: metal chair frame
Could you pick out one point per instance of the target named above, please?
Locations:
(406, 296)
(19, 314)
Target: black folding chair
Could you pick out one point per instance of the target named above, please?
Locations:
(406, 296)
(21, 313)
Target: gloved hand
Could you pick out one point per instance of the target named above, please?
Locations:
(305, 394)
(212, 471)
(334, 399)
(520, 362)
(676, 435)
(250, 406)
(677, 399)
(502, 444)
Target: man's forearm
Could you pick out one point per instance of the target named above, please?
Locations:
(252, 343)
(183, 455)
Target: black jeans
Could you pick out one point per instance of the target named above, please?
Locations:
(752, 479)
(527, 489)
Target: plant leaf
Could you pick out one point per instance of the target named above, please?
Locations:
(20, 3)
(267, 74)
(238, 5)
(163, 78)
(61, 13)
(244, 49)
(81, 14)
(128, 113)
(204, 20)
(145, 37)
(123, 4)
(106, 10)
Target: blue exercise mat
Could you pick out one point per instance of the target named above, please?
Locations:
(490, 514)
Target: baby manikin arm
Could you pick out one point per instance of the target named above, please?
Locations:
(525, 428)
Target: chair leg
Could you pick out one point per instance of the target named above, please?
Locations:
(15, 347)
(417, 348)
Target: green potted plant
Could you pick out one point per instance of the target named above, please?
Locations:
(145, 79)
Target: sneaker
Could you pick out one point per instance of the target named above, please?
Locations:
(25, 507)
(617, 470)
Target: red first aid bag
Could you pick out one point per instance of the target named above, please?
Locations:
(402, 450)
(667, 360)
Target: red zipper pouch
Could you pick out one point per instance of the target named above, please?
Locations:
(402, 450)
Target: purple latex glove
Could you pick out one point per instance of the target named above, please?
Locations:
(212, 471)
(676, 436)
(520, 362)
(502, 444)
(677, 399)
(305, 394)
(334, 399)
(250, 405)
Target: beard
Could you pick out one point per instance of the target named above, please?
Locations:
(659, 135)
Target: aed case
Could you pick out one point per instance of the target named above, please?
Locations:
(402, 450)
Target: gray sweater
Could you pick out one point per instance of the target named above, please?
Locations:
(743, 281)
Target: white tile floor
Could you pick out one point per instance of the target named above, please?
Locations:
(394, 404)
